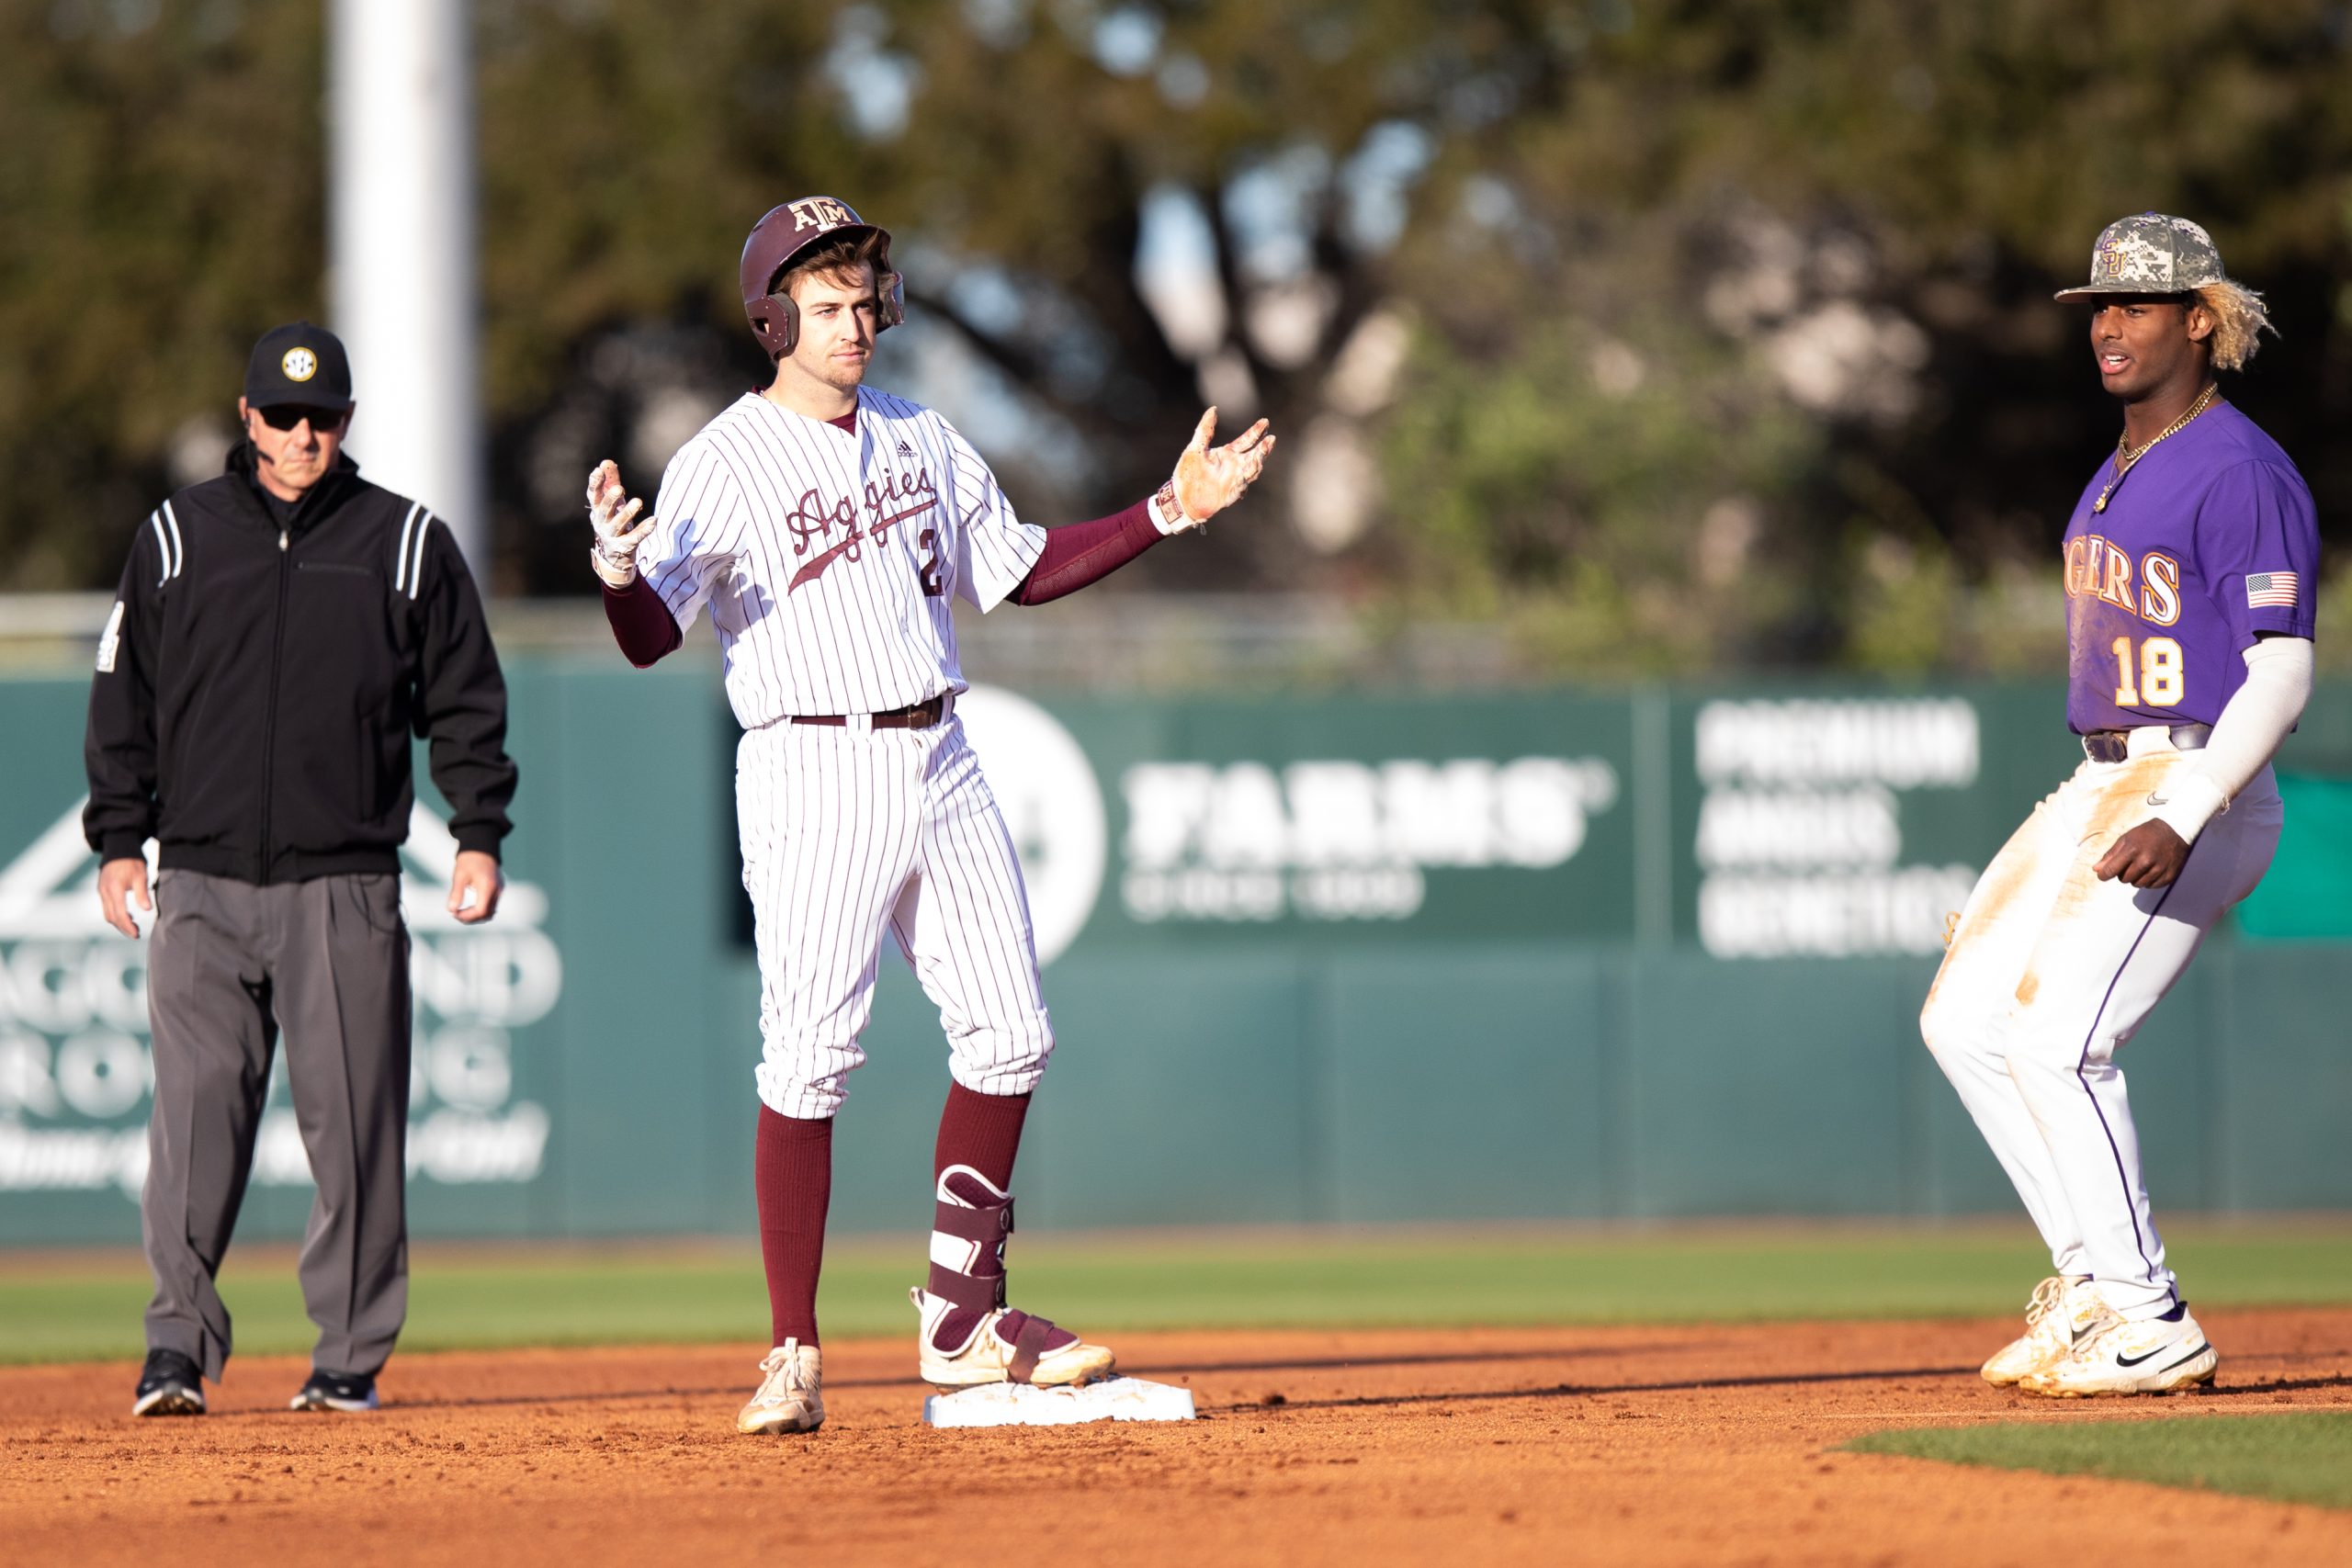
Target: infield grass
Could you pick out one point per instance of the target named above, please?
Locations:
(68, 1307)
(2302, 1457)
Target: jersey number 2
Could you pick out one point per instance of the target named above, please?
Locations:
(2161, 683)
(928, 572)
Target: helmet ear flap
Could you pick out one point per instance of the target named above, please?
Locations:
(775, 321)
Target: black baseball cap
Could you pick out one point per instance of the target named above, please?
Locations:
(302, 364)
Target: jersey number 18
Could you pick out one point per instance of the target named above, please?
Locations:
(2163, 683)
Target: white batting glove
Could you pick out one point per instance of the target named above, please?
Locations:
(1209, 478)
(613, 514)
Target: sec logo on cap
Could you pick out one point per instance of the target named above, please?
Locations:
(300, 364)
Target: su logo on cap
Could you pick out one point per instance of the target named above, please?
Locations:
(300, 364)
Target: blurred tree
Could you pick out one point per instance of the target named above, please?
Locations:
(1108, 214)
(1543, 493)
(1669, 335)
(1868, 204)
(160, 172)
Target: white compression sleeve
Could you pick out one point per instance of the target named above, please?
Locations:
(2252, 724)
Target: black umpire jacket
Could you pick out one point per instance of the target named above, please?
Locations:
(259, 678)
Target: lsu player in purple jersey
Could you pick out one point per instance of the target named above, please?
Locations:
(2189, 566)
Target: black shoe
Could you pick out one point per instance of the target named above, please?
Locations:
(169, 1385)
(336, 1391)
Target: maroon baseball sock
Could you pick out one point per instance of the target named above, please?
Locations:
(982, 1130)
(792, 1169)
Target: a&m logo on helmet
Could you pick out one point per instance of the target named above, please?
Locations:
(300, 364)
(820, 213)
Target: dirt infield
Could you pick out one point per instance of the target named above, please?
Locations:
(1615, 1445)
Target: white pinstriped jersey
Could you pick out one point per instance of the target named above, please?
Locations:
(828, 559)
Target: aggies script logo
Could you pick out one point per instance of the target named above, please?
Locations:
(894, 499)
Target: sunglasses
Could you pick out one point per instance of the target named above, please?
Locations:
(286, 416)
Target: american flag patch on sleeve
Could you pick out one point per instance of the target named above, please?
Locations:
(2270, 589)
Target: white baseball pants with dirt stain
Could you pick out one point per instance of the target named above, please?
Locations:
(2051, 970)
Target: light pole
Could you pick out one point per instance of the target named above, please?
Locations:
(400, 251)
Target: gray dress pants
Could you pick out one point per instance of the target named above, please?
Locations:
(230, 964)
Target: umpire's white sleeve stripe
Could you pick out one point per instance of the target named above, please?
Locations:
(163, 547)
(399, 561)
(417, 561)
(179, 548)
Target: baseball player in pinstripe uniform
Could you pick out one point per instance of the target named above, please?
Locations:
(2189, 566)
(824, 526)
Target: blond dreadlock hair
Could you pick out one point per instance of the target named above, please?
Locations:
(2239, 321)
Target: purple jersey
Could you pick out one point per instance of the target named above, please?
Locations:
(2210, 539)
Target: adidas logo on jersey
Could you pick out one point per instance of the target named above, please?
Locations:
(906, 451)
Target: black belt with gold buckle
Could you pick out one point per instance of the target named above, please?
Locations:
(921, 715)
(2107, 745)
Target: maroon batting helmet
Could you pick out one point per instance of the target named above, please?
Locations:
(780, 237)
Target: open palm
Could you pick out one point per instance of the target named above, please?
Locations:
(1210, 479)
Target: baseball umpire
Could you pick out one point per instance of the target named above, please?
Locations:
(2189, 565)
(279, 634)
(827, 528)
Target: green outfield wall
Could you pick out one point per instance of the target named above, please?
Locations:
(1351, 957)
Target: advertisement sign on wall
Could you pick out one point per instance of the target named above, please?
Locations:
(1349, 818)
(1589, 906)
(1800, 842)
(74, 1073)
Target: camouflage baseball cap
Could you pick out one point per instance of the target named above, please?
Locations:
(2151, 254)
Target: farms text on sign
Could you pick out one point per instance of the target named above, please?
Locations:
(1340, 840)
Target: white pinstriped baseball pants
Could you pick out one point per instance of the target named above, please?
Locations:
(848, 833)
(2050, 971)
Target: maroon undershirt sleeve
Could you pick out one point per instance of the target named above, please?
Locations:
(1085, 552)
(641, 623)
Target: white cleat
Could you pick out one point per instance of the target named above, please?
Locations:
(2154, 1356)
(1005, 1346)
(2062, 1315)
(791, 1396)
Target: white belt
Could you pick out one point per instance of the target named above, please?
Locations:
(2170, 738)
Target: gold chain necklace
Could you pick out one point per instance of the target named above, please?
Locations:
(2126, 458)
